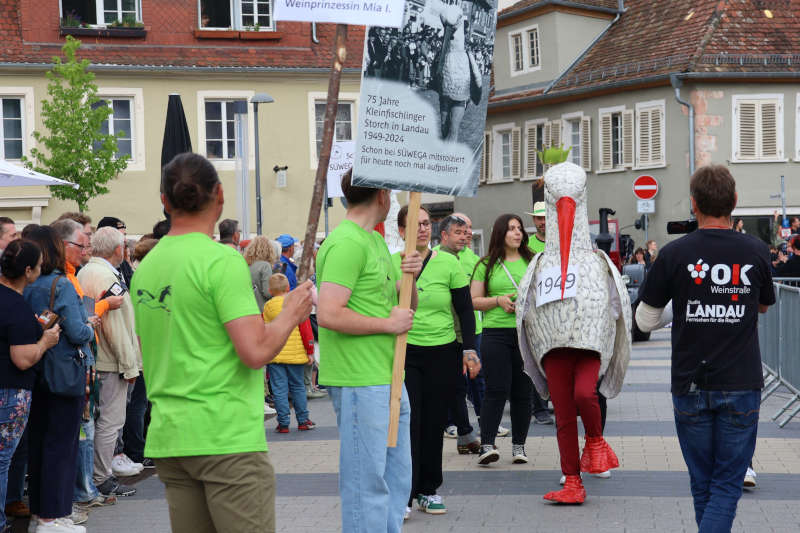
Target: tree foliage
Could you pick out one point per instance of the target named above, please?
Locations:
(74, 148)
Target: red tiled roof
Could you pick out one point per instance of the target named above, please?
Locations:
(659, 38)
(524, 4)
(31, 34)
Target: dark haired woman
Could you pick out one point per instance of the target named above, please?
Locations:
(56, 418)
(434, 359)
(22, 345)
(494, 290)
(204, 345)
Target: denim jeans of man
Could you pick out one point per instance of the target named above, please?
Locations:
(14, 408)
(374, 480)
(717, 433)
(84, 486)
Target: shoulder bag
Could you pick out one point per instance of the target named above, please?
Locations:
(64, 373)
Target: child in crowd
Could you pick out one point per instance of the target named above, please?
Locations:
(286, 370)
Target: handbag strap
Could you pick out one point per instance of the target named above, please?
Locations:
(53, 291)
(510, 277)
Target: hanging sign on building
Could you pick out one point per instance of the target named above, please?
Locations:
(359, 12)
(424, 93)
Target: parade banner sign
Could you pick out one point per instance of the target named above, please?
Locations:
(359, 12)
(341, 161)
(424, 93)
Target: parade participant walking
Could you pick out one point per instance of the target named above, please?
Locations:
(22, 345)
(494, 290)
(358, 321)
(434, 358)
(286, 370)
(56, 407)
(718, 280)
(573, 318)
(204, 345)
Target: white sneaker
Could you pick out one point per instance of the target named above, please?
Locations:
(269, 412)
(451, 432)
(750, 479)
(407, 514)
(59, 525)
(32, 523)
(603, 475)
(502, 432)
(121, 466)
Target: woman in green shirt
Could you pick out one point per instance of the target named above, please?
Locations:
(494, 291)
(434, 359)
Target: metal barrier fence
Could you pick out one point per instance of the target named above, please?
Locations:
(779, 341)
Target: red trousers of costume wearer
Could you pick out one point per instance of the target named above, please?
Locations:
(572, 379)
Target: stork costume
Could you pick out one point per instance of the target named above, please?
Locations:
(582, 334)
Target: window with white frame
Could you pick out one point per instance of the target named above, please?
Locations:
(343, 128)
(102, 12)
(757, 127)
(534, 143)
(578, 139)
(220, 130)
(11, 128)
(650, 134)
(524, 50)
(236, 14)
(573, 139)
(506, 143)
(616, 138)
(118, 123)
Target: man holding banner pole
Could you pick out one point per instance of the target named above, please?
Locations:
(359, 319)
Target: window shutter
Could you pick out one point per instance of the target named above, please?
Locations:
(486, 162)
(606, 157)
(516, 159)
(586, 143)
(546, 140)
(769, 130)
(627, 138)
(643, 138)
(530, 151)
(747, 130)
(656, 136)
(555, 133)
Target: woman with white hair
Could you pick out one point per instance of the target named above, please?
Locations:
(260, 255)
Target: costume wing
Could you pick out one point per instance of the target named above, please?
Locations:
(618, 365)
(526, 307)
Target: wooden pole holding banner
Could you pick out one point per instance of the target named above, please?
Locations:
(406, 284)
(320, 182)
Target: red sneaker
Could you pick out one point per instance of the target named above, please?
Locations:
(282, 429)
(572, 493)
(305, 426)
(598, 457)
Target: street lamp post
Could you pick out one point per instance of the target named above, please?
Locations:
(258, 98)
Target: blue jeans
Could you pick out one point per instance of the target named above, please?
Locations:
(84, 485)
(14, 408)
(285, 379)
(717, 433)
(374, 480)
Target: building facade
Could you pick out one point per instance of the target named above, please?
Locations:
(604, 77)
(211, 53)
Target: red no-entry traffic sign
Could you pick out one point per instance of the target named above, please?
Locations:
(645, 187)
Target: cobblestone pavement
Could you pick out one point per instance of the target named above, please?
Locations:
(648, 493)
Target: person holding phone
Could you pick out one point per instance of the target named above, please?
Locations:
(22, 345)
(494, 291)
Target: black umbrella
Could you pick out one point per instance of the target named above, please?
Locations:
(176, 131)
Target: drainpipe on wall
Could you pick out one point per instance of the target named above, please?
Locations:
(677, 83)
(314, 38)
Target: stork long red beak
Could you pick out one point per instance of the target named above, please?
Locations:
(565, 208)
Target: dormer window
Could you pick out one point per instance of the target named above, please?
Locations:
(524, 50)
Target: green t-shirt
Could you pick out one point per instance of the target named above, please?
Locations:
(359, 260)
(205, 400)
(499, 284)
(433, 320)
(468, 260)
(535, 244)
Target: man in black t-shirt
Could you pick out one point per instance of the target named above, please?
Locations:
(718, 281)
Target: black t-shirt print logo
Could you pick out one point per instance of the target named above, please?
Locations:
(158, 301)
(722, 275)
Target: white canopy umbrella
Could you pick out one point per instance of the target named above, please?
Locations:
(15, 176)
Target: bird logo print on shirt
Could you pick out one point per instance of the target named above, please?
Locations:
(155, 302)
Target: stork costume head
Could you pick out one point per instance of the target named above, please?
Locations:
(598, 316)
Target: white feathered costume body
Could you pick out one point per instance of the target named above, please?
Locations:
(598, 318)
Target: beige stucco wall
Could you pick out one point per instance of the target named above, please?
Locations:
(285, 131)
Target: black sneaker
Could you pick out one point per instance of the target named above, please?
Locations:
(148, 463)
(543, 418)
(112, 486)
(489, 454)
